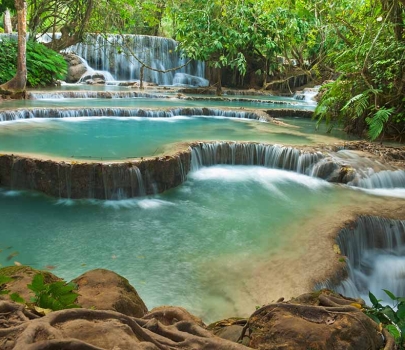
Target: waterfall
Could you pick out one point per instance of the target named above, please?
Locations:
(122, 182)
(381, 179)
(109, 53)
(8, 115)
(307, 95)
(375, 257)
(271, 156)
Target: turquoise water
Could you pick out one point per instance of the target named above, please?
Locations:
(171, 247)
(140, 102)
(120, 138)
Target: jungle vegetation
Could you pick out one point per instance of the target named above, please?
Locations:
(358, 45)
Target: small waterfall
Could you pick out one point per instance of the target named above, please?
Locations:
(123, 112)
(92, 94)
(381, 179)
(135, 174)
(375, 256)
(109, 53)
(122, 182)
(307, 95)
(183, 79)
(271, 156)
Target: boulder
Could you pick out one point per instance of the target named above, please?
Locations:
(22, 276)
(77, 67)
(321, 321)
(105, 290)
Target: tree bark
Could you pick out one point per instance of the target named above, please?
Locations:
(16, 86)
(7, 22)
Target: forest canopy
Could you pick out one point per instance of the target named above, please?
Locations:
(357, 44)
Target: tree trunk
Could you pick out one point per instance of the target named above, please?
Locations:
(219, 83)
(7, 22)
(16, 86)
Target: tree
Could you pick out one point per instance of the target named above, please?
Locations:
(70, 18)
(368, 95)
(5, 7)
(16, 86)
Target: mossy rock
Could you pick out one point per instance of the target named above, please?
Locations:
(21, 277)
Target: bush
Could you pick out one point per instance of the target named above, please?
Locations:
(44, 65)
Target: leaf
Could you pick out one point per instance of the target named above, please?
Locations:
(376, 123)
(37, 284)
(5, 279)
(42, 311)
(374, 300)
(394, 331)
(392, 296)
(17, 298)
(401, 312)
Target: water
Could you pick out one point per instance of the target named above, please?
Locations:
(160, 53)
(186, 242)
(375, 256)
(146, 103)
(120, 138)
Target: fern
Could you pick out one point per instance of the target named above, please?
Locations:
(54, 296)
(377, 122)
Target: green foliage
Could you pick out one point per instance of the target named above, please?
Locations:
(14, 296)
(368, 95)
(44, 65)
(55, 296)
(391, 317)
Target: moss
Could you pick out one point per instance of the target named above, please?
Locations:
(15, 271)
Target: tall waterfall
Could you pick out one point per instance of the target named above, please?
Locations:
(113, 53)
(375, 251)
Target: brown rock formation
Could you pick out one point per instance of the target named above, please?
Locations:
(105, 290)
(315, 321)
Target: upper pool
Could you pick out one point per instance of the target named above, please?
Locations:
(114, 138)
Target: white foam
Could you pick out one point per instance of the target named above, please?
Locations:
(386, 192)
(264, 176)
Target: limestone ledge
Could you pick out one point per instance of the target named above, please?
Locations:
(146, 176)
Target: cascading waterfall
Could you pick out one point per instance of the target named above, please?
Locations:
(271, 156)
(102, 53)
(7, 115)
(375, 251)
(381, 179)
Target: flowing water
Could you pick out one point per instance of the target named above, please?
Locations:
(230, 237)
(186, 242)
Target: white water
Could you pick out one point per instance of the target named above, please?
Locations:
(160, 53)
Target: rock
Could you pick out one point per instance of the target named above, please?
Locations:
(230, 329)
(318, 321)
(91, 329)
(22, 276)
(105, 290)
(77, 67)
(169, 315)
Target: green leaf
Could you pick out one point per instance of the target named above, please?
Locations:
(37, 285)
(373, 300)
(5, 279)
(401, 312)
(392, 296)
(17, 298)
(394, 332)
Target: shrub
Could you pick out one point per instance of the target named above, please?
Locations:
(44, 65)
